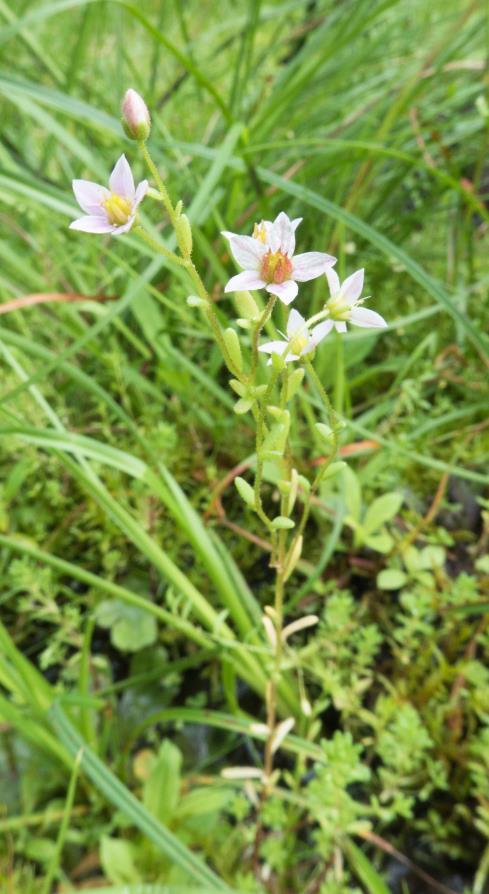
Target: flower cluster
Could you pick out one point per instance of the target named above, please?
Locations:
(267, 257)
(268, 261)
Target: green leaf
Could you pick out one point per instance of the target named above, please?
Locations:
(381, 543)
(333, 469)
(117, 859)
(161, 792)
(432, 557)
(353, 493)
(120, 797)
(382, 510)
(364, 870)
(131, 628)
(391, 579)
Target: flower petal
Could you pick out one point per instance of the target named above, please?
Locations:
(246, 250)
(89, 195)
(333, 281)
(118, 231)
(248, 279)
(282, 235)
(362, 316)
(321, 331)
(352, 286)
(340, 326)
(295, 323)
(286, 291)
(92, 223)
(311, 264)
(309, 347)
(141, 190)
(121, 180)
(295, 223)
(273, 347)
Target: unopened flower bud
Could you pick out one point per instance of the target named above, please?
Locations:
(184, 235)
(135, 116)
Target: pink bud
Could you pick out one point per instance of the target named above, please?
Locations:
(135, 116)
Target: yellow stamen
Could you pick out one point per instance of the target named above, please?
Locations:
(118, 209)
(259, 232)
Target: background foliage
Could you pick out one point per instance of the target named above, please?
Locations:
(126, 624)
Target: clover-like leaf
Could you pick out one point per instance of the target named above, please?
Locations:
(131, 628)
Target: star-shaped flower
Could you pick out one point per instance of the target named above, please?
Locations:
(345, 304)
(268, 260)
(110, 210)
(298, 340)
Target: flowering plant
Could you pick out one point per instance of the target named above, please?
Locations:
(265, 388)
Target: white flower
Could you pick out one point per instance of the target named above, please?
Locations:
(345, 304)
(110, 210)
(299, 340)
(268, 260)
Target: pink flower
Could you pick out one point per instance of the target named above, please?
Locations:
(135, 116)
(269, 262)
(110, 210)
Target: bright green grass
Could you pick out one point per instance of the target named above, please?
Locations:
(363, 117)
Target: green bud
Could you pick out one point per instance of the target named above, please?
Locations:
(184, 235)
(242, 406)
(231, 341)
(246, 305)
(195, 301)
(238, 387)
(245, 491)
(281, 523)
(294, 486)
(293, 558)
(294, 382)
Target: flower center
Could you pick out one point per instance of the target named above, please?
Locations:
(298, 343)
(337, 309)
(259, 232)
(118, 209)
(276, 267)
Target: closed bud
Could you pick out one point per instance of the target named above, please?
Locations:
(231, 341)
(292, 558)
(184, 235)
(195, 301)
(245, 491)
(136, 120)
(247, 306)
